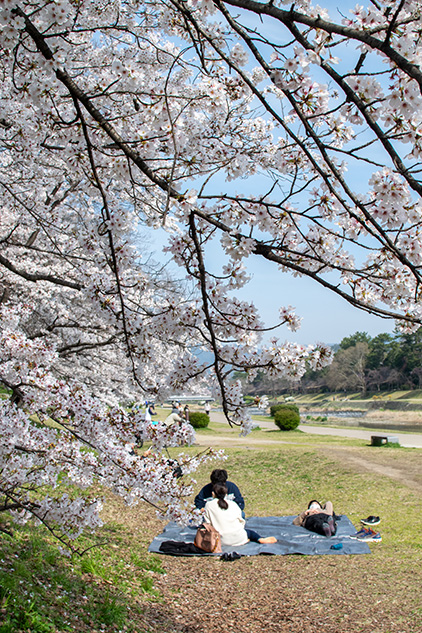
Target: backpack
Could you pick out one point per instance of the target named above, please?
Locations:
(208, 539)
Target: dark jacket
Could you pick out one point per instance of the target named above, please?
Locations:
(315, 523)
(233, 493)
(179, 548)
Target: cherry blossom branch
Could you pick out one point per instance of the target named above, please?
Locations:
(289, 17)
(379, 233)
(268, 253)
(208, 319)
(164, 184)
(79, 346)
(352, 97)
(115, 266)
(79, 95)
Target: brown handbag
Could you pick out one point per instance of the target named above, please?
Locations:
(208, 539)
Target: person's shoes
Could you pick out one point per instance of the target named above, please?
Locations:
(371, 520)
(268, 539)
(360, 533)
(371, 536)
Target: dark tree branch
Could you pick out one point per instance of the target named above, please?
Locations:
(79, 96)
(38, 276)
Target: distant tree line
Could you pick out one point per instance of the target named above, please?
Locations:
(361, 363)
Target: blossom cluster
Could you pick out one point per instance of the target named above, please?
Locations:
(75, 441)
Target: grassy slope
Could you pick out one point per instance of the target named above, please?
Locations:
(414, 395)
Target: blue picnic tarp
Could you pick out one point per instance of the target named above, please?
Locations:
(291, 539)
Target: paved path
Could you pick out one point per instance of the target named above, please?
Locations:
(408, 440)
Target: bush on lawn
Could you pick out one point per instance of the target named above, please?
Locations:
(280, 407)
(287, 419)
(199, 420)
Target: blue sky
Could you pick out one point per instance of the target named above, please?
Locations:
(326, 318)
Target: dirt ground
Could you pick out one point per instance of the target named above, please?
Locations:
(282, 594)
(395, 417)
(405, 467)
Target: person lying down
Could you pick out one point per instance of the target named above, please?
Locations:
(318, 518)
(226, 517)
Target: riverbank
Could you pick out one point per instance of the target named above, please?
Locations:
(117, 586)
(390, 411)
(378, 419)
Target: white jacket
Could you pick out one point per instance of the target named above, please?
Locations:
(228, 522)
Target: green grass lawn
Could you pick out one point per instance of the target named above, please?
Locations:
(282, 479)
(216, 429)
(42, 591)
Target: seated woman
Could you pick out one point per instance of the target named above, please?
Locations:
(219, 476)
(226, 516)
(318, 518)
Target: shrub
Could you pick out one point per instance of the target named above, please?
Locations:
(287, 418)
(198, 420)
(280, 407)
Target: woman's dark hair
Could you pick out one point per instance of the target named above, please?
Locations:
(218, 476)
(314, 501)
(220, 491)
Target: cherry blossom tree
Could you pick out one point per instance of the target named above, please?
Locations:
(118, 115)
(62, 441)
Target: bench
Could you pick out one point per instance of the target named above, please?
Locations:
(379, 440)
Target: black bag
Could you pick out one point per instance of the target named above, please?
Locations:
(315, 523)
